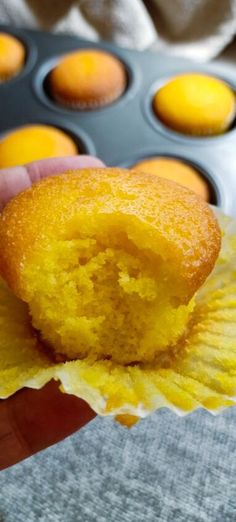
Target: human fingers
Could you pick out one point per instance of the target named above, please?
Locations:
(16, 179)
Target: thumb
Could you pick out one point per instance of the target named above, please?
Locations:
(16, 179)
(32, 420)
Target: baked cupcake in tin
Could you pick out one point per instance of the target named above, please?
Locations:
(87, 79)
(196, 104)
(34, 142)
(12, 56)
(178, 171)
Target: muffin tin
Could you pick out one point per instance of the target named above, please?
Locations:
(126, 131)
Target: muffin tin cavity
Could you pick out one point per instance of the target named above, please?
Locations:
(171, 130)
(39, 140)
(44, 90)
(192, 175)
(127, 127)
(195, 104)
(29, 59)
(87, 79)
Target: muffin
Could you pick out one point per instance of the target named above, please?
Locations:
(96, 292)
(196, 104)
(111, 292)
(87, 79)
(12, 56)
(178, 171)
(34, 142)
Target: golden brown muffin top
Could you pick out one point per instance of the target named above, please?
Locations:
(12, 56)
(34, 142)
(87, 78)
(196, 104)
(173, 222)
(178, 171)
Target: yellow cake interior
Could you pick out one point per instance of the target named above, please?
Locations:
(98, 293)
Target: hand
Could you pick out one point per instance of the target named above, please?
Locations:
(32, 420)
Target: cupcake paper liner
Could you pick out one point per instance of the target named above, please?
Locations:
(199, 372)
(222, 128)
(90, 104)
(5, 77)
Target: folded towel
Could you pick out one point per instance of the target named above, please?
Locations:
(198, 29)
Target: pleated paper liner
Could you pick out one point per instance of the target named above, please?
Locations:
(90, 104)
(201, 372)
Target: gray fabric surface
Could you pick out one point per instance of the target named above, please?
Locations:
(165, 469)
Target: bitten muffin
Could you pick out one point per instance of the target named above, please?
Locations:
(177, 171)
(34, 142)
(87, 79)
(108, 261)
(12, 56)
(196, 104)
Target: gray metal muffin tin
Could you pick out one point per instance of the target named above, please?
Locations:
(127, 130)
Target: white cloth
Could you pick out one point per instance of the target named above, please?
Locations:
(197, 29)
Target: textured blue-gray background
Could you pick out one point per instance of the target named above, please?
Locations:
(165, 469)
